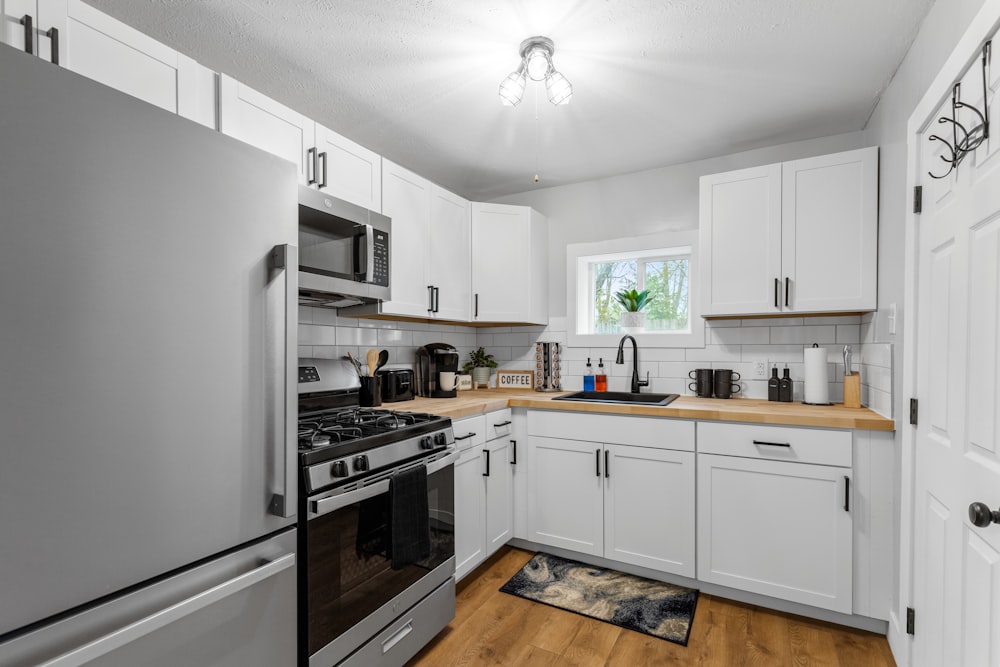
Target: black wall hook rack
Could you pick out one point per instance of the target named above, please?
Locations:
(964, 141)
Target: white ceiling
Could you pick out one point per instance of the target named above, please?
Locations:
(656, 82)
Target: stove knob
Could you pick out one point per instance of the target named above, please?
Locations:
(440, 440)
(338, 469)
(425, 442)
(361, 463)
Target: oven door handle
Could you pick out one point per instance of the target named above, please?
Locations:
(334, 503)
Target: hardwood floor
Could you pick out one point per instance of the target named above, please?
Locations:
(494, 628)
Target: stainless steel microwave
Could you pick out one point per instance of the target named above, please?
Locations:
(343, 252)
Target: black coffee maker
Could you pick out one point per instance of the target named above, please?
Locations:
(433, 359)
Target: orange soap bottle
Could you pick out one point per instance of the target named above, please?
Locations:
(600, 380)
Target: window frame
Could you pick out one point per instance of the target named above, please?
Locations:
(652, 247)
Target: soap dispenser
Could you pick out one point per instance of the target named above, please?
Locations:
(785, 387)
(774, 386)
(588, 377)
(600, 380)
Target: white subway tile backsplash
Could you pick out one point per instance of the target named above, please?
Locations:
(356, 337)
(310, 334)
(305, 351)
(395, 338)
(804, 335)
(848, 334)
(773, 322)
(514, 339)
(738, 336)
(713, 353)
(328, 317)
(305, 315)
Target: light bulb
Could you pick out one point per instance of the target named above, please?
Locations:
(537, 64)
(559, 88)
(512, 88)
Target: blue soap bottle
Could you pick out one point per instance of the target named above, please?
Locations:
(588, 377)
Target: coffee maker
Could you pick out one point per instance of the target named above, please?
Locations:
(433, 359)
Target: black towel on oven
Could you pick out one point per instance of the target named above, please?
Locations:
(409, 517)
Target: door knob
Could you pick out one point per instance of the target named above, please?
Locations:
(981, 515)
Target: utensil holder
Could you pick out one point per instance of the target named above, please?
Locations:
(852, 390)
(370, 394)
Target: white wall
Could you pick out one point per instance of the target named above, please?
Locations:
(644, 202)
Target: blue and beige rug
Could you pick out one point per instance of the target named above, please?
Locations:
(647, 606)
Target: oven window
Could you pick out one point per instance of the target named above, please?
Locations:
(349, 570)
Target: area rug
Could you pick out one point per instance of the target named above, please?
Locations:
(647, 606)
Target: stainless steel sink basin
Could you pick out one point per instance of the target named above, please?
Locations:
(623, 397)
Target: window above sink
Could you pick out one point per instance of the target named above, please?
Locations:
(664, 264)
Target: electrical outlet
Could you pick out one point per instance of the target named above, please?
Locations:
(760, 369)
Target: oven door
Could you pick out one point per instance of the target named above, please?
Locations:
(348, 591)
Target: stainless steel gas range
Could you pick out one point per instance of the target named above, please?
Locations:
(377, 529)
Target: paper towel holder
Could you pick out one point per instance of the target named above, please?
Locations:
(805, 402)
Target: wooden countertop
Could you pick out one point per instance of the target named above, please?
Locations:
(753, 410)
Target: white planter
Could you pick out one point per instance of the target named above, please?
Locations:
(480, 377)
(633, 322)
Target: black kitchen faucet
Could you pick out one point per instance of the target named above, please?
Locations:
(636, 382)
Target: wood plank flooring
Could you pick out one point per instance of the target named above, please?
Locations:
(494, 628)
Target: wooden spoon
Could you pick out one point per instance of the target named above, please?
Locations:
(372, 359)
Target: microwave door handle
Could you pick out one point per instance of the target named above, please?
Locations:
(369, 268)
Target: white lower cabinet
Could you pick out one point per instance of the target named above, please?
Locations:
(484, 518)
(633, 503)
(775, 513)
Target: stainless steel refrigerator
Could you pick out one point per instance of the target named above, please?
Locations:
(147, 383)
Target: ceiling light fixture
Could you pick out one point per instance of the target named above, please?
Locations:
(536, 62)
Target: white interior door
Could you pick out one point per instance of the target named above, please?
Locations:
(956, 576)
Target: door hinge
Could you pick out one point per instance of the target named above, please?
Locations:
(913, 412)
(918, 199)
(910, 619)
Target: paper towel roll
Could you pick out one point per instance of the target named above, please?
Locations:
(817, 388)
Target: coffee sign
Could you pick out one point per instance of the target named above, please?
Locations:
(516, 380)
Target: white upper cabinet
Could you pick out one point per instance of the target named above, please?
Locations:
(325, 160)
(406, 198)
(348, 170)
(449, 269)
(35, 26)
(509, 264)
(256, 119)
(795, 237)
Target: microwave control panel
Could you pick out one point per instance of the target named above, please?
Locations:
(380, 273)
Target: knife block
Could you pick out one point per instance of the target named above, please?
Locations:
(852, 390)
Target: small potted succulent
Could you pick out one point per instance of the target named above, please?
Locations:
(480, 364)
(632, 302)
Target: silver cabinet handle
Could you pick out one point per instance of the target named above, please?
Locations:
(369, 270)
(311, 162)
(142, 627)
(397, 637)
(284, 378)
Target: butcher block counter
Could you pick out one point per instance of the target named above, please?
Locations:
(750, 410)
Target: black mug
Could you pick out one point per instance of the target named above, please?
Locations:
(702, 384)
(726, 383)
(370, 395)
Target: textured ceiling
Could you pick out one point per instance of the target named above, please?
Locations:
(656, 82)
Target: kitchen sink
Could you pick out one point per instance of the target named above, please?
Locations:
(618, 397)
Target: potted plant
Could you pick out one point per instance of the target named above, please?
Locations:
(632, 303)
(479, 365)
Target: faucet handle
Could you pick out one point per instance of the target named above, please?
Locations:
(644, 383)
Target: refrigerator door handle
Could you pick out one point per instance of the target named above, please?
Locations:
(142, 627)
(285, 259)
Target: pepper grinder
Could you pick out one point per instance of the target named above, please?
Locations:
(785, 387)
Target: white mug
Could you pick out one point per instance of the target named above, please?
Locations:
(447, 380)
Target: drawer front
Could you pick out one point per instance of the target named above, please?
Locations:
(776, 443)
(661, 433)
(470, 432)
(498, 424)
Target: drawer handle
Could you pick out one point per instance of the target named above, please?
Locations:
(464, 437)
(397, 637)
(500, 424)
(772, 444)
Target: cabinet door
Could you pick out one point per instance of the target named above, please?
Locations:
(501, 245)
(565, 494)
(259, 121)
(740, 238)
(776, 528)
(470, 511)
(829, 239)
(499, 491)
(449, 267)
(348, 170)
(45, 15)
(406, 199)
(649, 508)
